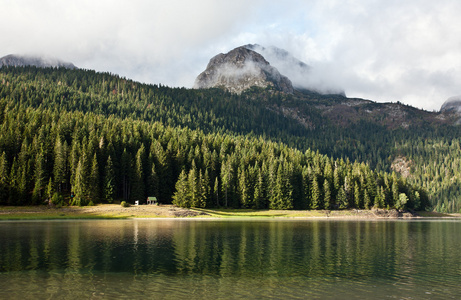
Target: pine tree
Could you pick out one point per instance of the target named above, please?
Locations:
(39, 177)
(243, 189)
(315, 193)
(326, 194)
(49, 189)
(367, 199)
(138, 187)
(357, 195)
(193, 186)
(59, 168)
(180, 197)
(79, 187)
(260, 193)
(395, 190)
(109, 181)
(152, 182)
(3, 179)
(216, 191)
(342, 200)
(93, 184)
(282, 195)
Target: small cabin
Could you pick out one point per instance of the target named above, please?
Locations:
(152, 201)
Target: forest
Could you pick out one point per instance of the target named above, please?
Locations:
(82, 137)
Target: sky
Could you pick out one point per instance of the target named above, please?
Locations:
(382, 50)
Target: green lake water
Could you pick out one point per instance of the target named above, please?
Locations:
(230, 259)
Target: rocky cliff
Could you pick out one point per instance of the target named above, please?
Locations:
(241, 69)
(453, 104)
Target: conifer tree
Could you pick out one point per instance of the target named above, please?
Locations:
(357, 196)
(39, 177)
(180, 197)
(79, 187)
(152, 182)
(93, 184)
(260, 193)
(109, 181)
(315, 193)
(326, 194)
(342, 200)
(3, 179)
(243, 189)
(138, 187)
(216, 191)
(59, 168)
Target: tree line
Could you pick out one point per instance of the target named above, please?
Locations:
(254, 114)
(84, 158)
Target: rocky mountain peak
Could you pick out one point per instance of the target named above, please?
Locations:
(241, 69)
(453, 104)
(13, 60)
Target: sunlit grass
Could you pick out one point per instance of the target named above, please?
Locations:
(114, 211)
(262, 213)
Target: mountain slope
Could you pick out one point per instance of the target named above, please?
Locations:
(349, 129)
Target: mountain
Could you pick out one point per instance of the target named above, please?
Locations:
(301, 75)
(453, 104)
(13, 60)
(82, 137)
(422, 146)
(241, 69)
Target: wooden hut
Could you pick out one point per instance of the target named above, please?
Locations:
(152, 201)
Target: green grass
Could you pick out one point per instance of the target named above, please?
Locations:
(108, 211)
(261, 213)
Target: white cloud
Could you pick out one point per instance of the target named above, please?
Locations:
(382, 50)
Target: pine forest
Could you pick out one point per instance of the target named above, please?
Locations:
(80, 137)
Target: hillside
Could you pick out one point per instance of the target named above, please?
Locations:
(345, 129)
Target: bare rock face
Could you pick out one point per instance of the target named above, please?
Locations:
(241, 69)
(453, 104)
(40, 62)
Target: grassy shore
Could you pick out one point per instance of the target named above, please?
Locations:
(115, 211)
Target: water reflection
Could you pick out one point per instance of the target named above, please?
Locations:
(271, 258)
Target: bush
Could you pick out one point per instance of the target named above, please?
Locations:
(57, 199)
(125, 204)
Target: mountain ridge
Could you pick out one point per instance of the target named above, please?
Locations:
(14, 60)
(241, 69)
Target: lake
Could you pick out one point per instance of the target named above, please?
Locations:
(230, 259)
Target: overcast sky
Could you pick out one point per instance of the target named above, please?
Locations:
(383, 50)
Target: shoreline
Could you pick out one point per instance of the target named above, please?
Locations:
(115, 211)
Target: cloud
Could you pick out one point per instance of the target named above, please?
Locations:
(381, 50)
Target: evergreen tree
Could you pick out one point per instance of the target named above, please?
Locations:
(357, 195)
(342, 200)
(181, 197)
(80, 187)
(152, 182)
(216, 191)
(3, 179)
(93, 184)
(39, 177)
(260, 193)
(59, 168)
(138, 187)
(243, 189)
(109, 181)
(326, 194)
(315, 193)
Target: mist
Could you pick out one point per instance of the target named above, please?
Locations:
(383, 51)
